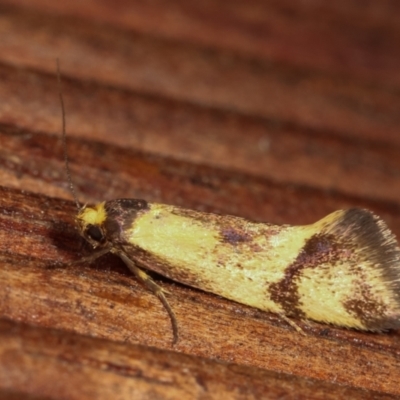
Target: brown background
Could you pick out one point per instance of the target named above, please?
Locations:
(276, 111)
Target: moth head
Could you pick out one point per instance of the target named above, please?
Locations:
(90, 221)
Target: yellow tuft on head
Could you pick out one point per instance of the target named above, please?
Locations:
(95, 215)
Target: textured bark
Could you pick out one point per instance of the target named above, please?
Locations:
(229, 123)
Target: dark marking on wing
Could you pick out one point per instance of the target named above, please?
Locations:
(378, 247)
(319, 249)
(379, 244)
(358, 239)
(234, 236)
(121, 214)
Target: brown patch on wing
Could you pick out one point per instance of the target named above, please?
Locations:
(374, 314)
(319, 249)
(366, 310)
(234, 231)
(234, 236)
(121, 214)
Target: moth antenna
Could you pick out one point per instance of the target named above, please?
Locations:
(64, 139)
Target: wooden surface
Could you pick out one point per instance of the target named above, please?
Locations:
(275, 111)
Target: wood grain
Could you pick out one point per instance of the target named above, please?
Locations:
(345, 37)
(102, 369)
(41, 287)
(278, 150)
(263, 110)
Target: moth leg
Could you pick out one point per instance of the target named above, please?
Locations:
(88, 259)
(148, 282)
(93, 256)
(292, 324)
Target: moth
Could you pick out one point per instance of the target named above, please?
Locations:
(342, 270)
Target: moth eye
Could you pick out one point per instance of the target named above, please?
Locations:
(94, 233)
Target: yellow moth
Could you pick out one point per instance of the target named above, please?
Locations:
(342, 270)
